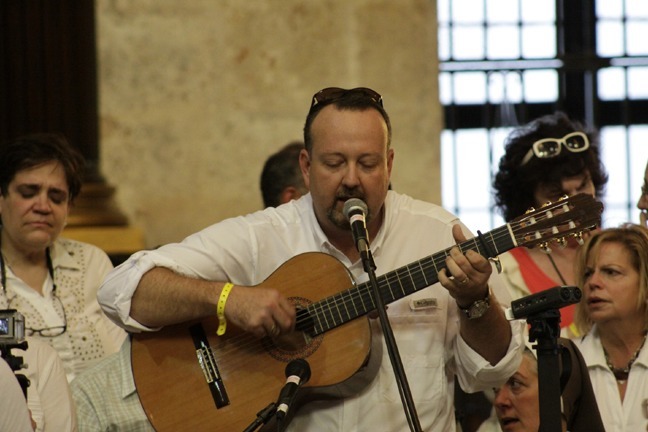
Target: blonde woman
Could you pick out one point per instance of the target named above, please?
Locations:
(613, 318)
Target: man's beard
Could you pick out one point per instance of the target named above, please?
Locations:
(336, 217)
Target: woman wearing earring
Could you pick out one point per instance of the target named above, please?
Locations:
(613, 317)
(545, 160)
(52, 281)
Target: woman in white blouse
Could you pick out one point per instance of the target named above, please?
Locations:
(52, 281)
(613, 316)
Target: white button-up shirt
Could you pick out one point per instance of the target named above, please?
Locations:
(631, 414)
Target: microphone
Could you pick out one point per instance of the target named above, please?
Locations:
(297, 373)
(553, 298)
(355, 210)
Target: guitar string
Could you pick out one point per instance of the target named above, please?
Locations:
(417, 277)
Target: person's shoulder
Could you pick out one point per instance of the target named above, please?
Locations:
(78, 250)
(293, 211)
(587, 344)
(401, 203)
(97, 374)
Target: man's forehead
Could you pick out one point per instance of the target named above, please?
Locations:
(361, 123)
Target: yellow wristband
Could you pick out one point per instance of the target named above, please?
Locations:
(220, 310)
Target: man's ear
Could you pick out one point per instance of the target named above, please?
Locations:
(305, 166)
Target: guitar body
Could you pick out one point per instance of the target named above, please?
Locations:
(173, 387)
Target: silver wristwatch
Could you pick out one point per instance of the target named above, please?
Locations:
(478, 308)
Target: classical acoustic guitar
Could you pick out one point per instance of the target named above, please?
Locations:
(190, 379)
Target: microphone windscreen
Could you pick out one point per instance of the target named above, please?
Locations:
(354, 205)
(300, 368)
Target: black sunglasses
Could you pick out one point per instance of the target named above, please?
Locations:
(330, 94)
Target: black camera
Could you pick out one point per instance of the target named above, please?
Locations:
(12, 327)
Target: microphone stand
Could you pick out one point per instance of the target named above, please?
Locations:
(545, 328)
(263, 416)
(401, 379)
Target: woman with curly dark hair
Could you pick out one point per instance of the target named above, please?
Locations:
(544, 160)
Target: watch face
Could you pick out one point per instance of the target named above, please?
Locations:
(478, 309)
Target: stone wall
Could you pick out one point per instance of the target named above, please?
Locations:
(195, 94)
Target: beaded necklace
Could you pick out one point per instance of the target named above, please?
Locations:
(621, 374)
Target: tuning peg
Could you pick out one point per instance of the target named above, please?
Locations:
(530, 210)
(562, 242)
(579, 238)
(563, 198)
(547, 204)
(545, 248)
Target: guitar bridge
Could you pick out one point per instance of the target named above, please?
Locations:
(207, 363)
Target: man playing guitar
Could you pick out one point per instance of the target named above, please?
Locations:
(455, 327)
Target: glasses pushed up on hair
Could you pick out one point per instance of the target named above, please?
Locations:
(330, 94)
(546, 148)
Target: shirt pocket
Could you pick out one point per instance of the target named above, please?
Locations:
(421, 344)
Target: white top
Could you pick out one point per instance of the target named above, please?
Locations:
(631, 415)
(49, 397)
(247, 249)
(79, 269)
(14, 415)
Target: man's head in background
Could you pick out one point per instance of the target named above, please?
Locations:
(281, 178)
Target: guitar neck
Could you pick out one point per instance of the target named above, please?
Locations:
(352, 303)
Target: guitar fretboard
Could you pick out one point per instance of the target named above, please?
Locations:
(352, 303)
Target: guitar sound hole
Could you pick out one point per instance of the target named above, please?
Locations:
(297, 344)
(292, 346)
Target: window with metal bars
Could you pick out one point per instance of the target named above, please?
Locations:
(504, 63)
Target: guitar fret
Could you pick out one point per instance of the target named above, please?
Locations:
(319, 327)
(436, 270)
(370, 299)
(409, 273)
(337, 308)
(333, 309)
(477, 245)
(324, 315)
(346, 309)
(497, 252)
(389, 287)
(423, 273)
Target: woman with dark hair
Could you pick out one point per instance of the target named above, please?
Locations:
(544, 160)
(52, 281)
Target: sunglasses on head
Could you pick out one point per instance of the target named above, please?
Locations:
(547, 148)
(331, 94)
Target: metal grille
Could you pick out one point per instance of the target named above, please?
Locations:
(506, 62)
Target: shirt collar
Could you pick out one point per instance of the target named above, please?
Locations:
(306, 207)
(592, 349)
(62, 258)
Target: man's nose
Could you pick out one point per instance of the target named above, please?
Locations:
(351, 178)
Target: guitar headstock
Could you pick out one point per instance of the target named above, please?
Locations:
(558, 221)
